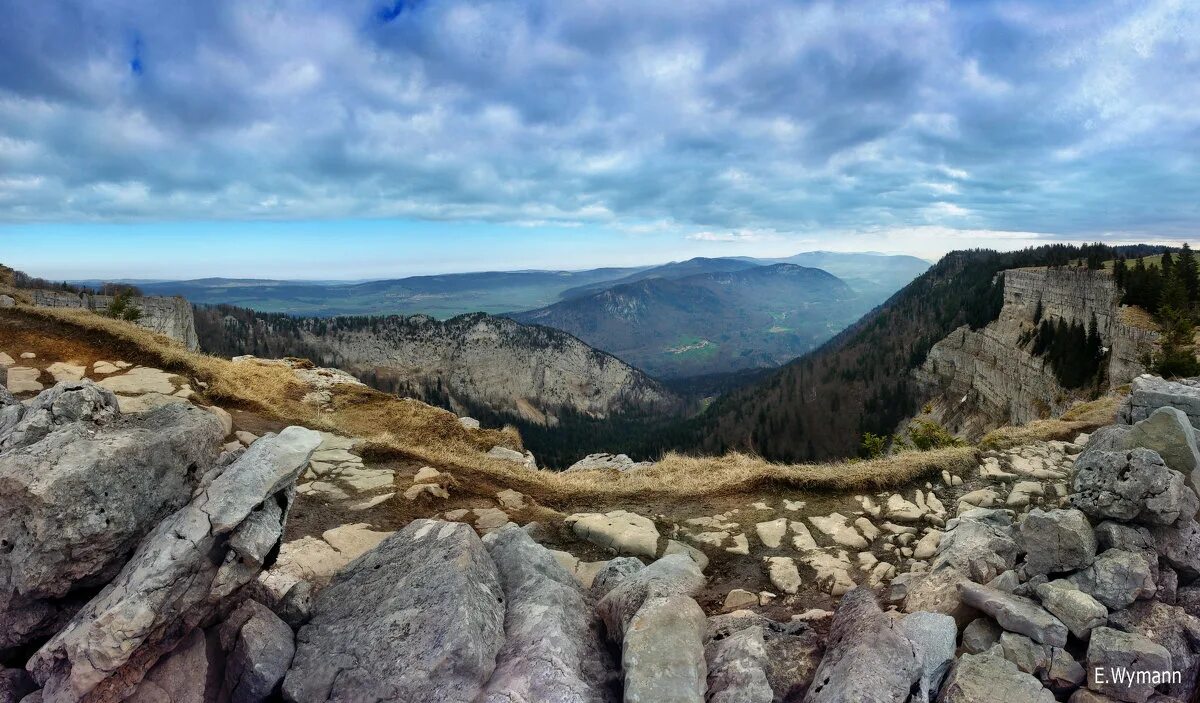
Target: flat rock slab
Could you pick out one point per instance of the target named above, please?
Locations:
(139, 380)
(620, 531)
(976, 678)
(419, 618)
(22, 379)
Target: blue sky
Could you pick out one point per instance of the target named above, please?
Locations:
(358, 139)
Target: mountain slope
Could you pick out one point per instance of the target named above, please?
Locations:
(868, 273)
(441, 296)
(709, 323)
(472, 364)
(672, 271)
(819, 405)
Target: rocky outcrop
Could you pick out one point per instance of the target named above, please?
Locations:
(178, 576)
(167, 316)
(79, 488)
(981, 379)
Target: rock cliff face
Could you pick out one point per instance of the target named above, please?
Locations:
(467, 363)
(169, 316)
(981, 379)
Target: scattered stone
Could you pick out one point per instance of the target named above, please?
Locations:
(900, 509)
(833, 571)
(979, 544)
(802, 539)
(28, 355)
(372, 502)
(740, 598)
(927, 546)
(468, 423)
(771, 533)
(602, 462)
(511, 500)
(103, 368)
(793, 505)
(835, 527)
(512, 455)
(741, 545)
(621, 531)
(487, 519)
(677, 547)
(23, 380)
(63, 371)
(783, 574)
(1023, 493)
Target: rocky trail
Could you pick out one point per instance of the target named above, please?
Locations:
(157, 547)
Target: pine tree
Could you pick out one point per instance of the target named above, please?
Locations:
(1187, 269)
(1119, 272)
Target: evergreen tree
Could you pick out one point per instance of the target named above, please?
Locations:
(1187, 269)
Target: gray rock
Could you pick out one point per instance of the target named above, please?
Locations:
(75, 504)
(867, 656)
(1129, 538)
(933, 637)
(1134, 485)
(261, 656)
(663, 652)
(1174, 629)
(420, 617)
(1149, 393)
(1188, 598)
(1116, 579)
(1053, 666)
(553, 649)
(672, 575)
(7, 301)
(737, 668)
(592, 462)
(1169, 432)
(1112, 655)
(191, 673)
(1179, 546)
(176, 579)
(1015, 613)
(1080, 612)
(1008, 582)
(937, 592)
(1056, 541)
(1111, 438)
(64, 404)
(1168, 584)
(979, 544)
(977, 678)
(613, 573)
(793, 650)
(15, 684)
(981, 634)
(295, 608)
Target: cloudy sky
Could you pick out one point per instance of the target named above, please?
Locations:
(304, 138)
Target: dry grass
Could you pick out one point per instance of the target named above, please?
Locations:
(396, 427)
(1082, 417)
(1135, 316)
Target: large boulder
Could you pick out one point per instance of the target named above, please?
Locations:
(663, 652)
(937, 592)
(1130, 538)
(1053, 666)
(976, 678)
(1173, 628)
(1015, 613)
(1179, 546)
(1056, 541)
(178, 576)
(1124, 665)
(737, 667)
(867, 658)
(1117, 578)
(75, 503)
(980, 544)
(793, 653)
(933, 636)
(553, 648)
(1134, 485)
(261, 654)
(191, 673)
(420, 617)
(673, 575)
(1169, 432)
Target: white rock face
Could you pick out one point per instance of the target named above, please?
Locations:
(168, 316)
(621, 531)
(1004, 382)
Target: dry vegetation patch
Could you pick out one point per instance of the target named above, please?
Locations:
(1081, 417)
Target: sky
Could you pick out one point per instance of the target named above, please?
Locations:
(370, 138)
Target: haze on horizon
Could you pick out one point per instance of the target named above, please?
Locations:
(371, 139)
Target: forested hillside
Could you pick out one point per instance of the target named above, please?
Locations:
(819, 405)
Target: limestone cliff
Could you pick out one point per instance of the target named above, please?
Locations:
(168, 316)
(980, 379)
(469, 363)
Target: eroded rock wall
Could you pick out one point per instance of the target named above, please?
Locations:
(169, 316)
(980, 379)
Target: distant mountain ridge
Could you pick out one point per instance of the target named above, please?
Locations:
(747, 317)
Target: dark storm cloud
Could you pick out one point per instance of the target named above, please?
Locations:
(773, 116)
